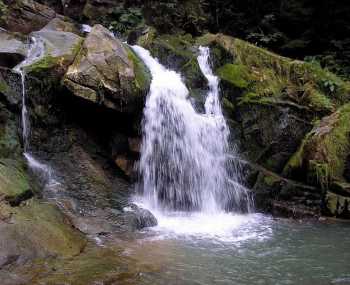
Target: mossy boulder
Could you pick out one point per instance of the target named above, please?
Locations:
(13, 180)
(31, 228)
(337, 205)
(108, 73)
(324, 152)
(57, 49)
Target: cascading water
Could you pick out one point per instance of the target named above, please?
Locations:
(35, 52)
(184, 154)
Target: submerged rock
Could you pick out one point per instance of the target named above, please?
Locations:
(138, 218)
(107, 72)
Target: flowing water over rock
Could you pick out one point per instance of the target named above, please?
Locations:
(184, 154)
(188, 179)
(35, 53)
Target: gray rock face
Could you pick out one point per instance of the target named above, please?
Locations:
(12, 49)
(108, 73)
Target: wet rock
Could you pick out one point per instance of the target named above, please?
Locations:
(283, 197)
(59, 50)
(337, 205)
(12, 49)
(138, 218)
(30, 228)
(108, 73)
(25, 16)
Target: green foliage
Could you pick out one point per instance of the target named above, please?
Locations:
(125, 19)
(3, 11)
(330, 85)
(325, 149)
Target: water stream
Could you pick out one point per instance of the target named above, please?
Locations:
(184, 154)
(35, 53)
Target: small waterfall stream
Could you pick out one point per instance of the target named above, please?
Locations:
(35, 53)
(185, 155)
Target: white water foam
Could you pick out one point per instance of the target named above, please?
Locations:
(184, 154)
(187, 181)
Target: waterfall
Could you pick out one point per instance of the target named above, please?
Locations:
(185, 154)
(35, 53)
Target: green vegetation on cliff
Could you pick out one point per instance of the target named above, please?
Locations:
(275, 79)
(325, 149)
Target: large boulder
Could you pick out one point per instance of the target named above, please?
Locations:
(57, 46)
(25, 16)
(30, 228)
(108, 73)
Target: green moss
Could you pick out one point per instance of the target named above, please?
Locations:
(45, 226)
(96, 265)
(142, 74)
(3, 86)
(271, 180)
(296, 161)
(325, 149)
(337, 142)
(227, 105)
(179, 45)
(318, 101)
(279, 78)
(337, 204)
(146, 39)
(13, 181)
(77, 47)
(320, 172)
(3, 10)
(44, 63)
(236, 74)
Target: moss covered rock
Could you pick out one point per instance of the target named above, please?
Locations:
(58, 50)
(279, 107)
(30, 228)
(274, 79)
(324, 152)
(106, 72)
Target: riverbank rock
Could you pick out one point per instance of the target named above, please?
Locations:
(31, 228)
(108, 73)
